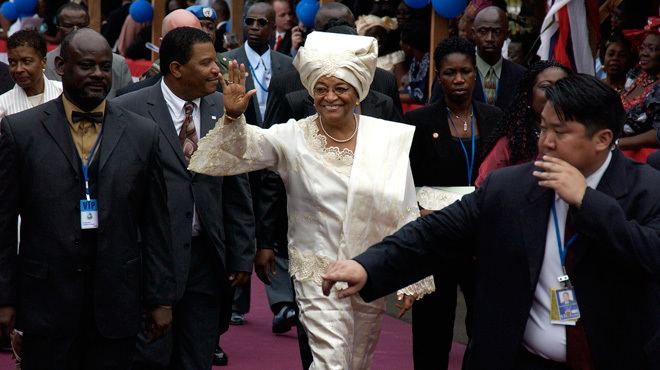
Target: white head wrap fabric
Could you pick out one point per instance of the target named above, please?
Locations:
(347, 57)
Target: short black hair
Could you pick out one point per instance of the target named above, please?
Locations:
(586, 99)
(177, 46)
(29, 38)
(416, 34)
(223, 8)
(69, 6)
(453, 45)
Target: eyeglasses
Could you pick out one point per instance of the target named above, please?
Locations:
(72, 26)
(323, 90)
(262, 22)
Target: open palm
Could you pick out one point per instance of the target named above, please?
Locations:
(235, 98)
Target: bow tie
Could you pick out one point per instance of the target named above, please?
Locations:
(96, 117)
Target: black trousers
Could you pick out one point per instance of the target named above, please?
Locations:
(85, 349)
(190, 343)
(433, 316)
(530, 361)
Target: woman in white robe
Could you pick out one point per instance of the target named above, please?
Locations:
(27, 59)
(347, 179)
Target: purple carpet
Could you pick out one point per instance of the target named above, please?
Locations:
(253, 346)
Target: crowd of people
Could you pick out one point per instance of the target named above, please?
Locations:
(341, 162)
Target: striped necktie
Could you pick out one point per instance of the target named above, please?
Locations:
(490, 86)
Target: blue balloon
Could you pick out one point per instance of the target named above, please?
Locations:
(25, 7)
(449, 8)
(306, 11)
(9, 11)
(141, 11)
(417, 4)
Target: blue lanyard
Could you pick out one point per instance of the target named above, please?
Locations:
(469, 160)
(563, 249)
(85, 167)
(255, 79)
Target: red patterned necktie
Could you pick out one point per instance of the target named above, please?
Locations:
(188, 134)
(578, 353)
(277, 43)
(490, 86)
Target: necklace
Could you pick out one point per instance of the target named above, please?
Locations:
(465, 121)
(338, 140)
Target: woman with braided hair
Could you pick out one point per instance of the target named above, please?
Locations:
(514, 139)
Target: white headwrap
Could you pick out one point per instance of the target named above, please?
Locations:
(347, 57)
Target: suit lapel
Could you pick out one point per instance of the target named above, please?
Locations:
(159, 114)
(613, 183)
(208, 114)
(504, 88)
(533, 220)
(55, 122)
(113, 128)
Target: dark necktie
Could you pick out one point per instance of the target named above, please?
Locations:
(188, 134)
(578, 354)
(490, 86)
(96, 117)
(278, 42)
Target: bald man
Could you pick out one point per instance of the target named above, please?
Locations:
(82, 279)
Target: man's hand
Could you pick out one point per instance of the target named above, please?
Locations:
(158, 321)
(7, 316)
(239, 278)
(567, 181)
(297, 36)
(347, 271)
(264, 263)
(234, 96)
(406, 303)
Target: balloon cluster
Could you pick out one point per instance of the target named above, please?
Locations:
(141, 11)
(444, 8)
(306, 12)
(15, 9)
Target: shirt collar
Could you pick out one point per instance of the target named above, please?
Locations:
(174, 101)
(254, 58)
(69, 107)
(483, 67)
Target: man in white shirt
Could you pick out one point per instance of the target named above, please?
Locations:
(583, 217)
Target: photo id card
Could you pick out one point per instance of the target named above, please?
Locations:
(89, 214)
(563, 307)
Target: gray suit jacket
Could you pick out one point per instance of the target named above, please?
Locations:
(223, 204)
(121, 76)
(280, 63)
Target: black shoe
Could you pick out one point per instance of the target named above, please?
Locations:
(284, 320)
(220, 357)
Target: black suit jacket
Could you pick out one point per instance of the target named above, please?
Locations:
(430, 156)
(510, 78)
(280, 85)
(285, 44)
(223, 204)
(6, 82)
(149, 81)
(41, 179)
(618, 250)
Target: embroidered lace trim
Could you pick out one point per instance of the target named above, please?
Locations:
(307, 266)
(421, 288)
(342, 159)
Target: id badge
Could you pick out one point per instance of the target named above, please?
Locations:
(89, 214)
(564, 309)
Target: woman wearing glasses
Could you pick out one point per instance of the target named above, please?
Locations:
(347, 179)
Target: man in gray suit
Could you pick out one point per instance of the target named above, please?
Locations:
(70, 17)
(262, 64)
(212, 220)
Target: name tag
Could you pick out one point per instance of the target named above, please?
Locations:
(564, 309)
(89, 214)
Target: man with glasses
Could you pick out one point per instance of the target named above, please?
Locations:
(70, 17)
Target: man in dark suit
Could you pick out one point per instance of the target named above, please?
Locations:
(284, 22)
(519, 223)
(498, 78)
(95, 245)
(212, 220)
(6, 82)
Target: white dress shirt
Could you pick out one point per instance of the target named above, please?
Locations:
(175, 108)
(261, 70)
(541, 337)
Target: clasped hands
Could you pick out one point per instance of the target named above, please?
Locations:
(235, 98)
